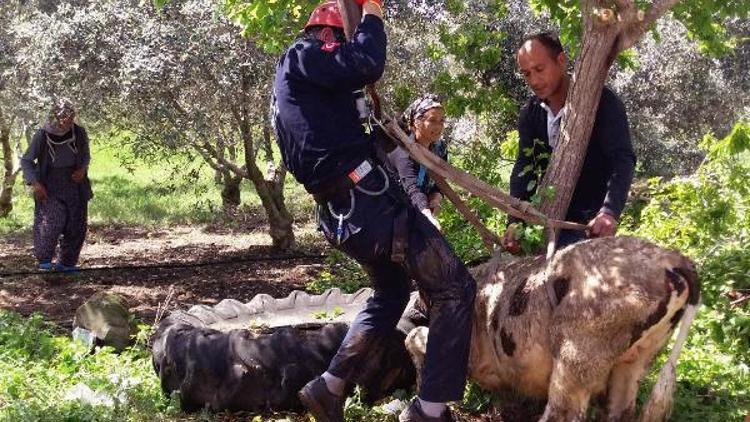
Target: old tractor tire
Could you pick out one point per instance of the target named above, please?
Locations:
(255, 356)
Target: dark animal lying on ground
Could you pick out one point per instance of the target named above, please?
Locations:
(244, 370)
(588, 323)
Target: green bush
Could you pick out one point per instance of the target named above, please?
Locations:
(490, 161)
(707, 217)
(40, 371)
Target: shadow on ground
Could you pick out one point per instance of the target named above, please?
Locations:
(199, 268)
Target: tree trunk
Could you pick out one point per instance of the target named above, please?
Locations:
(583, 100)
(272, 197)
(266, 142)
(271, 194)
(9, 170)
(231, 195)
(219, 176)
(590, 73)
(606, 32)
(351, 14)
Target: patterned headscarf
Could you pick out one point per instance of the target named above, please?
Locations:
(419, 107)
(61, 108)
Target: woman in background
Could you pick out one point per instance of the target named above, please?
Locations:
(424, 120)
(56, 166)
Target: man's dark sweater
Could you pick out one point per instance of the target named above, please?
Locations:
(607, 169)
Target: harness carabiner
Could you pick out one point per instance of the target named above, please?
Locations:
(342, 217)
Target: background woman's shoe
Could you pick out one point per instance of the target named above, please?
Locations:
(45, 266)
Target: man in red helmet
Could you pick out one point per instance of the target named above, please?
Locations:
(363, 212)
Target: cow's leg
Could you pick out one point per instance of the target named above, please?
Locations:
(416, 345)
(622, 390)
(568, 398)
(581, 368)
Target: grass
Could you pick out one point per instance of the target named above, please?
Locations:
(40, 373)
(176, 190)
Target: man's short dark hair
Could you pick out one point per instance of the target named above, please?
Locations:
(547, 39)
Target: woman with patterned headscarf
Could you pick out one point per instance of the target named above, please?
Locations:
(424, 120)
(56, 166)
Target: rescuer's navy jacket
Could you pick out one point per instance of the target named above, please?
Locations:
(316, 119)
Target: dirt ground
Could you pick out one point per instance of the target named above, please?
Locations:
(202, 265)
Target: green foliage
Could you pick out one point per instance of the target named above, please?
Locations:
(704, 19)
(39, 370)
(567, 15)
(476, 399)
(490, 161)
(272, 24)
(707, 217)
(329, 316)
(473, 40)
(356, 410)
(535, 167)
(711, 386)
(342, 272)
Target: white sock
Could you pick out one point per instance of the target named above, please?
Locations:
(334, 384)
(432, 409)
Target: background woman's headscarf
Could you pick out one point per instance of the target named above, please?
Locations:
(418, 108)
(61, 109)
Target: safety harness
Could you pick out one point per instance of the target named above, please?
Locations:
(348, 184)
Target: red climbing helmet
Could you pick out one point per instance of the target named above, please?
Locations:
(326, 14)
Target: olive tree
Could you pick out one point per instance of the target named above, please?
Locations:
(181, 78)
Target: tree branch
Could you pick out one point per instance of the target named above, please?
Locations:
(624, 4)
(637, 27)
(228, 165)
(740, 301)
(209, 160)
(513, 206)
(657, 10)
(488, 238)
(587, 13)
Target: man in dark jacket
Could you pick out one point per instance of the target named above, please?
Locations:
(56, 166)
(603, 185)
(324, 144)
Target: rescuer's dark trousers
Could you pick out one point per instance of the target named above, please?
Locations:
(419, 253)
